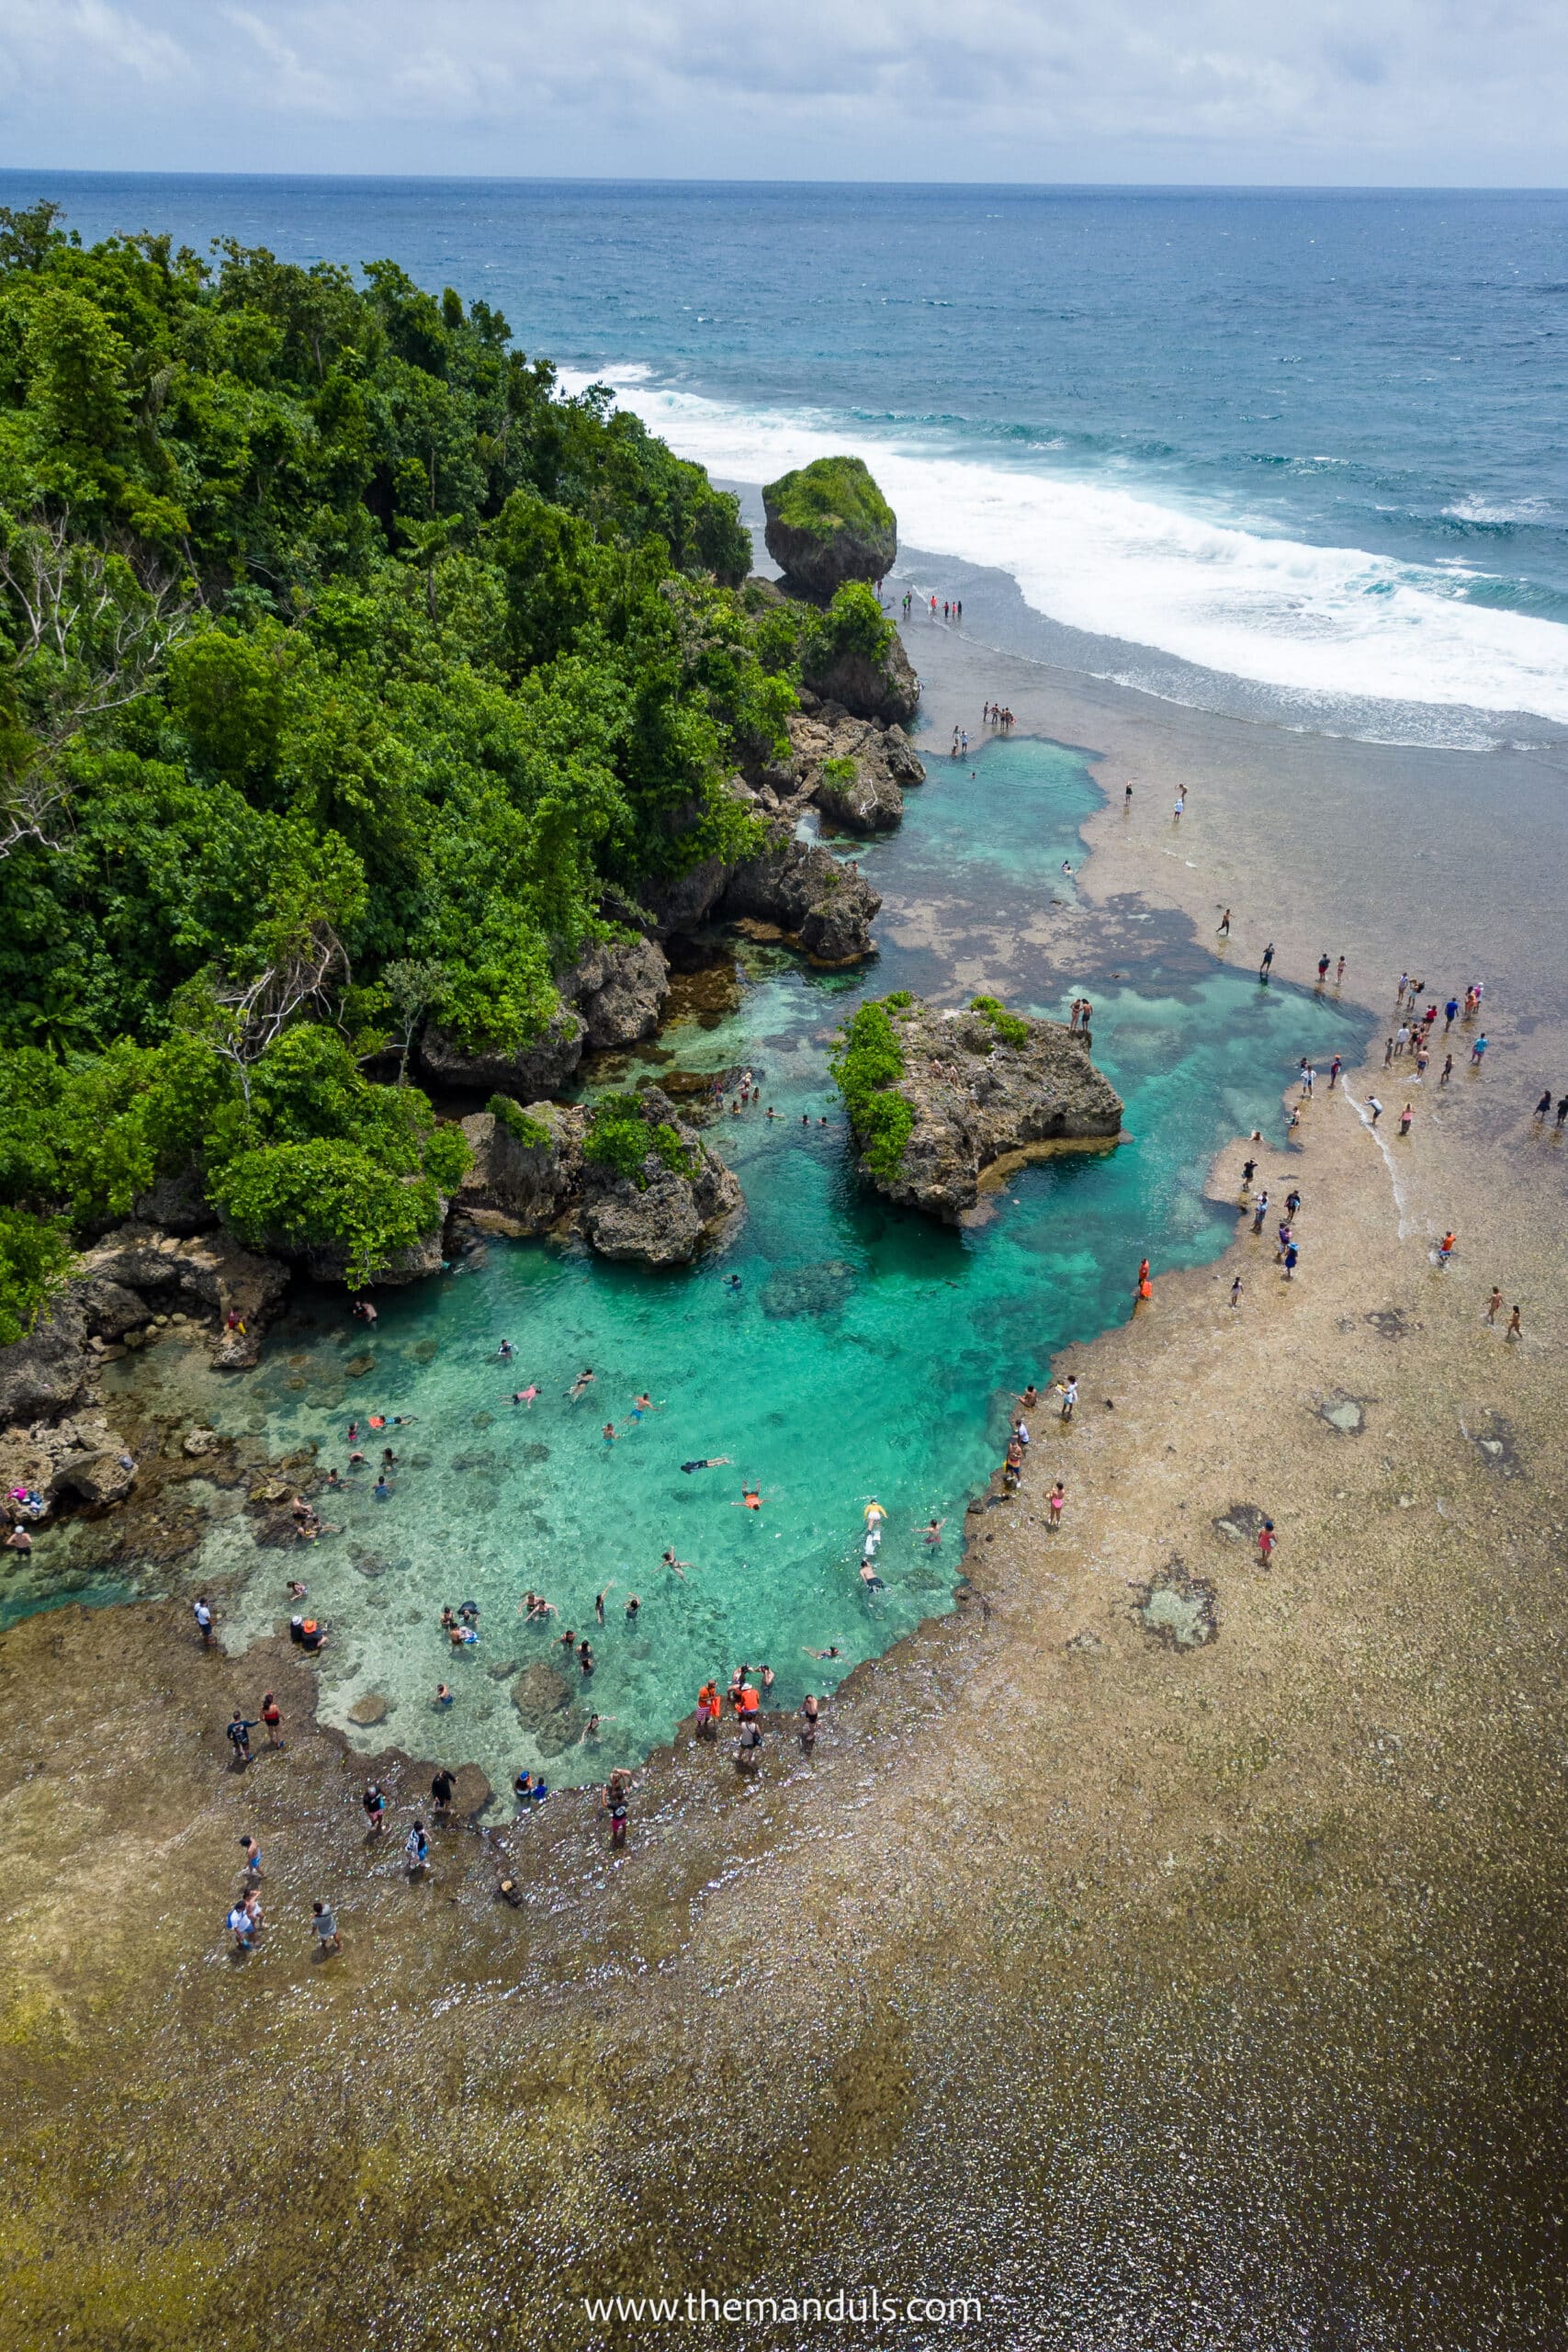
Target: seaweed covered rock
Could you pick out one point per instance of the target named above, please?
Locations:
(936, 1099)
(827, 523)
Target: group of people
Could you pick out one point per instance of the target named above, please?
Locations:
(997, 714)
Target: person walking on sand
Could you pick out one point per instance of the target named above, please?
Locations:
(1542, 1107)
(1054, 1501)
(201, 1609)
(1494, 1303)
(1260, 1210)
(239, 1735)
(323, 1926)
(1404, 1119)
(272, 1717)
(1478, 1050)
(1375, 1107)
(1340, 973)
(1070, 1393)
(1448, 1070)
(1265, 1543)
(1335, 1067)
(1235, 1292)
(1267, 963)
(1514, 1330)
(1224, 930)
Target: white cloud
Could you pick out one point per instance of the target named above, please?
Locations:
(1439, 90)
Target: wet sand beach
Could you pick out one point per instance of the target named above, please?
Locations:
(1163, 1950)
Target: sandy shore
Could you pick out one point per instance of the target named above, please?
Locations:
(1153, 1997)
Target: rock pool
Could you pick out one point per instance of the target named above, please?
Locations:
(864, 1352)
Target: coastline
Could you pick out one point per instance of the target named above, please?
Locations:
(1043, 1869)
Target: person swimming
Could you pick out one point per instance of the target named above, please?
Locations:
(707, 1462)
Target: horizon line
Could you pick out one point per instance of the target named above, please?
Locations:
(694, 180)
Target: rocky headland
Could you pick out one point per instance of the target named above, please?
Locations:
(936, 1100)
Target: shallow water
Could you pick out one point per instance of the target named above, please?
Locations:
(866, 1353)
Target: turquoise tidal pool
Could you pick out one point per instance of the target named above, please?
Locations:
(862, 1351)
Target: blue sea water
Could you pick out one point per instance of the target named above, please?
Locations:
(1293, 454)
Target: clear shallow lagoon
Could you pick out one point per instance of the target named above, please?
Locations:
(867, 1351)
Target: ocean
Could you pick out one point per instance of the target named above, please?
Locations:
(1296, 457)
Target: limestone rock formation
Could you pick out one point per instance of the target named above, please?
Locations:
(79, 1454)
(828, 523)
(853, 769)
(886, 689)
(822, 906)
(47, 1370)
(139, 1266)
(620, 990)
(539, 1065)
(614, 995)
(981, 1085)
(542, 1179)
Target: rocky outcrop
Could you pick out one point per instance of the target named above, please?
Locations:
(539, 1066)
(522, 1183)
(612, 997)
(47, 1370)
(139, 1272)
(827, 523)
(867, 687)
(854, 769)
(544, 1181)
(79, 1455)
(819, 905)
(620, 990)
(981, 1086)
(329, 1261)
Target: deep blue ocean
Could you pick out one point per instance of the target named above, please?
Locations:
(1295, 455)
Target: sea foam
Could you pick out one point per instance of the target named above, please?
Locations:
(1328, 626)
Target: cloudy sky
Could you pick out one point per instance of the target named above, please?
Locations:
(1451, 92)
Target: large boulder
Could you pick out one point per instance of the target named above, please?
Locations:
(982, 1085)
(47, 1370)
(526, 1171)
(868, 686)
(541, 1065)
(620, 990)
(825, 907)
(530, 1175)
(827, 523)
(613, 996)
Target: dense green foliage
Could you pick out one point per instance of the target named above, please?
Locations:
(531, 1134)
(344, 668)
(867, 1064)
(852, 627)
(840, 770)
(617, 1138)
(830, 495)
(1009, 1026)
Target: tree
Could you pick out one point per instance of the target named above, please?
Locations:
(416, 987)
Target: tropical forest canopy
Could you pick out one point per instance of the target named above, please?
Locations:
(350, 676)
